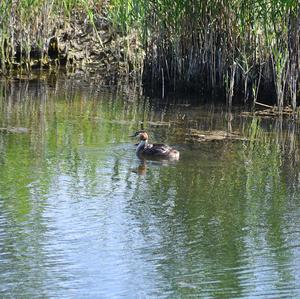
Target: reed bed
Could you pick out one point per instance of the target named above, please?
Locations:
(238, 49)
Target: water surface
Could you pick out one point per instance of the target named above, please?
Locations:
(82, 217)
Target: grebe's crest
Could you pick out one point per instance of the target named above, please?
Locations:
(142, 135)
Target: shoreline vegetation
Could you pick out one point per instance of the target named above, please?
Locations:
(76, 35)
(244, 52)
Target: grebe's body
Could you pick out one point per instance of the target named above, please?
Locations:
(145, 149)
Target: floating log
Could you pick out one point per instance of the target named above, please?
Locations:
(201, 136)
(18, 130)
(272, 111)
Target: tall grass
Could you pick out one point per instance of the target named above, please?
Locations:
(236, 49)
(197, 44)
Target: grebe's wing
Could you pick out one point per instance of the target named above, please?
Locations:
(157, 149)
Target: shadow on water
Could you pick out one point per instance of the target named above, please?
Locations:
(82, 216)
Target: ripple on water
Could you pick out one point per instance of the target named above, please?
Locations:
(82, 217)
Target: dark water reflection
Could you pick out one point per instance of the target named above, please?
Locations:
(82, 217)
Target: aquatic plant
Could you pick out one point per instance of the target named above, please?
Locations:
(196, 44)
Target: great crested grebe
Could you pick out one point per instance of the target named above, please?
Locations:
(145, 149)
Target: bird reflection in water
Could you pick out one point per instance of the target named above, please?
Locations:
(142, 168)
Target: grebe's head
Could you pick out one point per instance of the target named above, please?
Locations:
(142, 135)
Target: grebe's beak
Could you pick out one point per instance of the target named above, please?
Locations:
(134, 135)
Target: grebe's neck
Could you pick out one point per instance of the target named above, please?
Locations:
(141, 146)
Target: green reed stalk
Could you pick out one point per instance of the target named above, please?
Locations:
(281, 71)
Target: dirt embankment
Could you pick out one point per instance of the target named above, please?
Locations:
(83, 45)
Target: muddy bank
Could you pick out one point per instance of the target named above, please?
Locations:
(80, 45)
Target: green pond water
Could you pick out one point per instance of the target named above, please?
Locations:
(82, 217)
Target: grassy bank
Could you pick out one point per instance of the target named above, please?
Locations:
(241, 51)
(241, 48)
(26, 27)
(79, 35)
